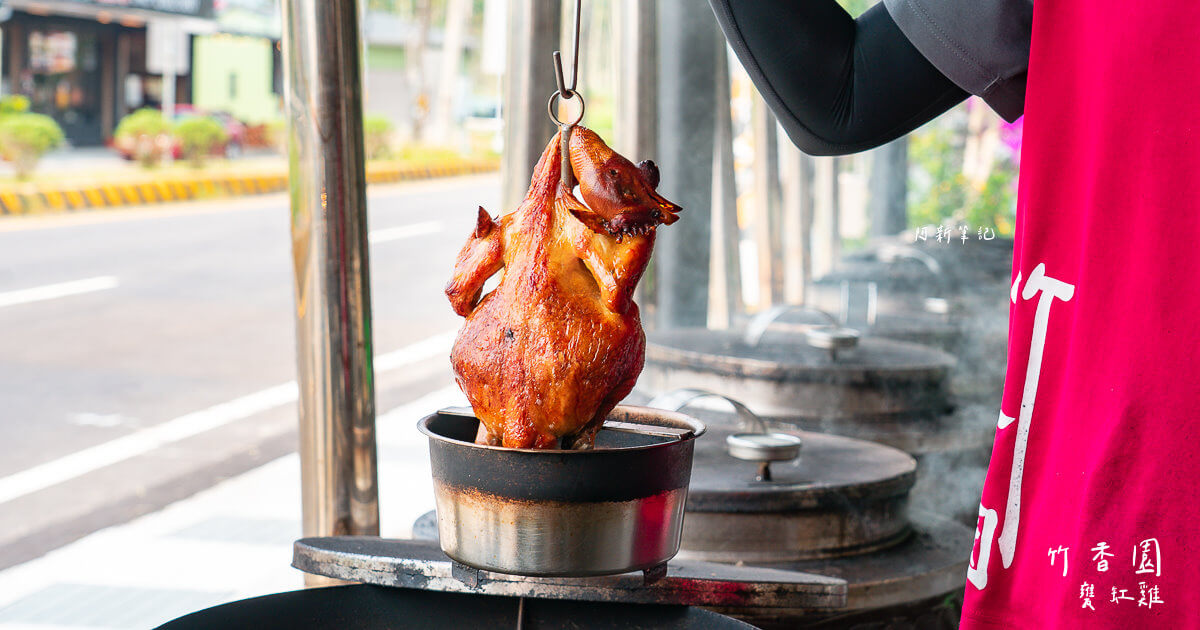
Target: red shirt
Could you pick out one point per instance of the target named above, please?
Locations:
(1090, 515)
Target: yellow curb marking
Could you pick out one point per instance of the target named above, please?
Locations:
(164, 191)
(75, 200)
(146, 192)
(93, 197)
(12, 203)
(54, 199)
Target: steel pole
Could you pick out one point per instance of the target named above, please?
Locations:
(635, 126)
(689, 43)
(725, 266)
(637, 99)
(796, 170)
(768, 232)
(826, 233)
(323, 87)
(533, 33)
(888, 205)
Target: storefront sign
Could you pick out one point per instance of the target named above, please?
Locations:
(195, 8)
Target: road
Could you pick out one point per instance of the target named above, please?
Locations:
(146, 354)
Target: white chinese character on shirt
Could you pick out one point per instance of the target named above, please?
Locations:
(1116, 599)
(1147, 564)
(1047, 290)
(1086, 593)
(1101, 557)
(1053, 553)
(1152, 592)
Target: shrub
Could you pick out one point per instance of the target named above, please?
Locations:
(377, 136)
(13, 104)
(276, 131)
(145, 135)
(198, 136)
(25, 137)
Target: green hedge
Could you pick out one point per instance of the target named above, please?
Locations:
(25, 138)
(198, 136)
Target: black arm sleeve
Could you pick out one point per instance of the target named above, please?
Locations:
(837, 85)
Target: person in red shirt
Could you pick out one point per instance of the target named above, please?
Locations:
(1090, 516)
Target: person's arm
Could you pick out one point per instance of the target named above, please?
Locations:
(837, 85)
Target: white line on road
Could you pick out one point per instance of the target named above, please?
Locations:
(396, 424)
(427, 348)
(404, 231)
(94, 458)
(53, 291)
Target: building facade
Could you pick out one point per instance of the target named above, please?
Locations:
(88, 63)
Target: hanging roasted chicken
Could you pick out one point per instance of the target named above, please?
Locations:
(548, 353)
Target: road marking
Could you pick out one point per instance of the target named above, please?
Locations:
(396, 425)
(404, 231)
(54, 291)
(419, 351)
(94, 458)
(102, 420)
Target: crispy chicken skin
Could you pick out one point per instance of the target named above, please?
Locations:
(547, 354)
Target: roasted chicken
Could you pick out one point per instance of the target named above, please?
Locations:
(547, 354)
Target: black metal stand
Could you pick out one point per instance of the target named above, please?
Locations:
(420, 564)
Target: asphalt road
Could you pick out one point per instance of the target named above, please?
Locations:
(146, 354)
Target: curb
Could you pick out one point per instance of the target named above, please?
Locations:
(37, 200)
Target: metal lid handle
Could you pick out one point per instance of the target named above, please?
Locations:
(891, 253)
(764, 448)
(678, 399)
(762, 321)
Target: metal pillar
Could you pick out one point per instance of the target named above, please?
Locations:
(637, 102)
(826, 233)
(888, 182)
(533, 33)
(689, 42)
(458, 12)
(169, 40)
(725, 294)
(121, 77)
(323, 87)
(635, 127)
(796, 174)
(768, 232)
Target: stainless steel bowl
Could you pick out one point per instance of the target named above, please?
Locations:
(612, 509)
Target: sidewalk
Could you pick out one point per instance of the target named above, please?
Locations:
(230, 542)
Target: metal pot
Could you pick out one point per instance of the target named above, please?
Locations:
(839, 497)
(613, 509)
(835, 506)
(892, 279)
(761, 495)
(805, 379)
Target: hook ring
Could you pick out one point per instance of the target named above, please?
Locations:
(551, 109)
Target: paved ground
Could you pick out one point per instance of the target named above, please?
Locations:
(147, 354)
(230, 542)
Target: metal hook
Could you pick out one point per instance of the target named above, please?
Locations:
(566, 92)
